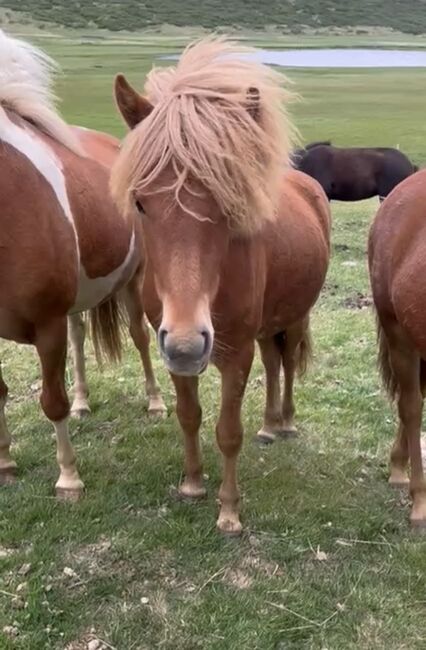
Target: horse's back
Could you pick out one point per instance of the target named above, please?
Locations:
(102, 147)
(397, 257)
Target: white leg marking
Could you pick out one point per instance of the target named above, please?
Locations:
(69, 479)
(77, 332)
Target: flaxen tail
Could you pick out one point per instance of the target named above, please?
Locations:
(388, 376)
(106, 322)
(304, 352)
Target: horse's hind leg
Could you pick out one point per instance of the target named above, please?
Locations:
(295, 353)
(51, 344)
(405, 363)
(77, 334)
(272, 419)
(7, 465)
(399, 460)
(140, 335)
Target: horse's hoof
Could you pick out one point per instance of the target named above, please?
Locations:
(156, 407)
(399, 483)
(189, 492)
(158, 413)
(66, 494)
(229, 527)
(265, 437)
(80, 413)
(418, 525)
(8, 475)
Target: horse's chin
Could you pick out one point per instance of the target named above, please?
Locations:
(186, 369)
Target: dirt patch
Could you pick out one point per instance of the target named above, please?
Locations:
(89, 641)
(342, 248)
(357, 301)
(251, 567)
(330, 288)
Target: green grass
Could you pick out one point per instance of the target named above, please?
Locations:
(151, 572)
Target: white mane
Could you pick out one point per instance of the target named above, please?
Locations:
(26, 87)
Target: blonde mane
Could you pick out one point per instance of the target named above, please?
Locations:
(220, 119)
(26, 79)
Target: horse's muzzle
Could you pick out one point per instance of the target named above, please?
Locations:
(186, 355)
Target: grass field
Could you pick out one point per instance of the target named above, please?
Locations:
(327, 560)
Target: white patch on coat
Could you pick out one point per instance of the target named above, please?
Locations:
(43, 159)
(91, 291)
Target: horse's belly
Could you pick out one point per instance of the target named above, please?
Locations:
(14, 328)
(93, 291)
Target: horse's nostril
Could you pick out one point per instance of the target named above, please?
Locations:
(207, 339)
(162, 334)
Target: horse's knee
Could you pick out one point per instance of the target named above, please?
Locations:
(54, 402)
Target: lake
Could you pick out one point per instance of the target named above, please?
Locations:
(341, 58)
(337, 58)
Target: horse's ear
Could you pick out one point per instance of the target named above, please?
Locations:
(133, 107)
(253, 103)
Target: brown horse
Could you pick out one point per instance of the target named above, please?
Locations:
(237, 247)
(353, 173)
(63, 247)
(397, 260)
(104, 148)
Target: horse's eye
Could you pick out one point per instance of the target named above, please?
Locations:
(139, 207)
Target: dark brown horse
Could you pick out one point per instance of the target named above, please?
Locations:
(237, 250)
(353, 173)
(397, 260)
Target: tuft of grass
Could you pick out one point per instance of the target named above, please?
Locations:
(327, 559)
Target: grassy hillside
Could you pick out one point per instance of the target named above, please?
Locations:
(292, 14)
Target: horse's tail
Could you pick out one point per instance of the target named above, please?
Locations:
(106, 321)
(304, 352)
(388, 376)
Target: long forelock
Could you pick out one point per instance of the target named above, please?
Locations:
(202, 125)
(26, 87)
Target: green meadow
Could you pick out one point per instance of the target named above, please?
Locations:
(327, 560)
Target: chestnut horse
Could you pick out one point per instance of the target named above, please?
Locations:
(237, 246)
(63, 247)
(397, 260)
(104, 148)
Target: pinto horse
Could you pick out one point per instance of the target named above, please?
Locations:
(353, 173)
(237, 247)
(104, 148)
(63, 247)
(397, 261)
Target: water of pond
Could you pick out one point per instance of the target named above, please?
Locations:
(338, 58)
(342, 58)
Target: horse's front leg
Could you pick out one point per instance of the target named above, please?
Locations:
(229, 433)
(189, 413)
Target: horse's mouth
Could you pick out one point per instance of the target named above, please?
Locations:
(185, 368)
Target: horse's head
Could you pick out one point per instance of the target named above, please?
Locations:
(201, 165)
